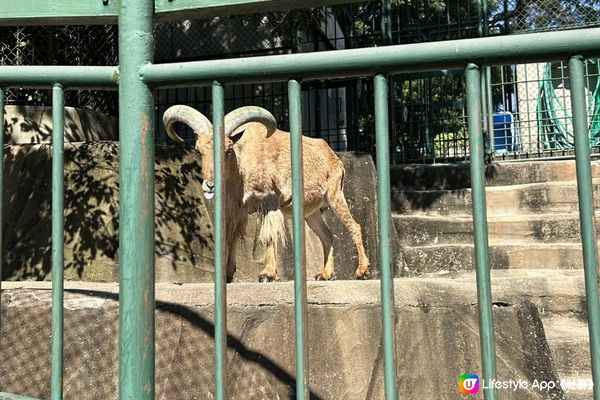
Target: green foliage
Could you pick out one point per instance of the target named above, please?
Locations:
(306, 19)
(418, 15)
(554, 14)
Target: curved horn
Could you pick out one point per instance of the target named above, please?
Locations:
(187, 115)
(240, 116)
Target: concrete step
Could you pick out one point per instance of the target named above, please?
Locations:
(503, 255)
(458, 176)
(422, 229)
(568, 340)
(501, 200)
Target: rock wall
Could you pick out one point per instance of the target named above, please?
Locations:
(184, 232)
(436, 330)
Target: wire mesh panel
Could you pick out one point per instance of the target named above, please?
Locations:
(532, 109)
(536, 16)
(61, 45)
(428, 111)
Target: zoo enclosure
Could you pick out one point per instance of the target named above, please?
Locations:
(136, 76)
(530, 104)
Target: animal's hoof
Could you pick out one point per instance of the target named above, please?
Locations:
(363, 275)
(324, 276)
(265, 278)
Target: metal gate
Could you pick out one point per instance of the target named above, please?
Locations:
(135, 78)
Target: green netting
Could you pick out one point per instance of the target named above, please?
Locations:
(554, 116)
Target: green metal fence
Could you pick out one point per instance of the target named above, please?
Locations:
(136, 76)
(428, 110)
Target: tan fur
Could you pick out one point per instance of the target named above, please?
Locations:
(257, 176)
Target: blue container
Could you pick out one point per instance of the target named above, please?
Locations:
(504, 138)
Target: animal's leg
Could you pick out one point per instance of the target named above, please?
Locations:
(231, 264)
(316, 223)
(340, 207)
(269, 273)
(272, 234)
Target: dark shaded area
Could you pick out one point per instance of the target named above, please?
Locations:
(438, 176)
(535, 349)
(91, 212)
(419, 186)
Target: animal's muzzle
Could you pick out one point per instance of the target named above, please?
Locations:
(209, 189)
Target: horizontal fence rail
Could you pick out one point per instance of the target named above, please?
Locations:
(389, 59)
(107, 11)
(72, 77)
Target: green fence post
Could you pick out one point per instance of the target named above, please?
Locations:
(385, 259)
(58, 235)
(585, 191)
(484, 290)
(136, 225)
(302, 371)
(1, 194)
(218, 101)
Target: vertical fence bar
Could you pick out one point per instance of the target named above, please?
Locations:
(2, 97)
(488, 82)
(484, 290)
(58, 134)
(488, 126)
(386, 22)
(302, 371)
(585, 190)
(218, 102)
(382, 149)
(136, 233)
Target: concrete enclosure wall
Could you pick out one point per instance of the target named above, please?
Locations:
(184, 236)
(33, 124)
(436, 330)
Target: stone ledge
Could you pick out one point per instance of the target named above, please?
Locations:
(543, 287)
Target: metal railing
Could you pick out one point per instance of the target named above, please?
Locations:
(136, 77)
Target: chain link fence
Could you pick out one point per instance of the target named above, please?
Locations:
(61, 45)
(546, 15)
(428, 122)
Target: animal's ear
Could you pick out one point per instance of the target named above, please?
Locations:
(236, 136)
(228, 145)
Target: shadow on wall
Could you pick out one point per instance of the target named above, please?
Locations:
(183, 230)
(33, 124)
(416, 187)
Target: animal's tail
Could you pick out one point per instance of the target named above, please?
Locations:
(271, 229)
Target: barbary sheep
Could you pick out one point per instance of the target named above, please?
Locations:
(257, 178)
